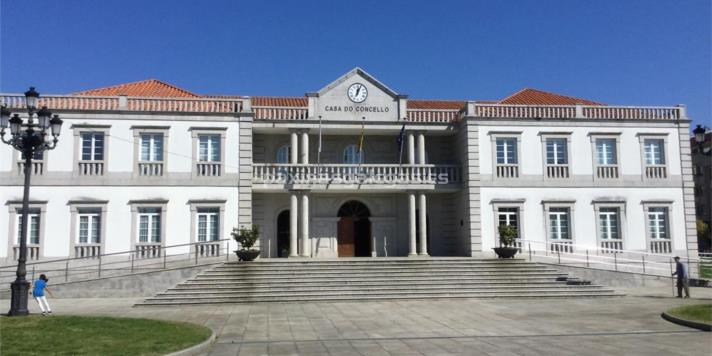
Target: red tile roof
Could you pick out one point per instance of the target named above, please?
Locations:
(279, 101)
(436, 104)
(528, 96)
(147, 88)
(157, 88)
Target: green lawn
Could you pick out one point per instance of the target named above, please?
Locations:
(701, 313)
(79, 335)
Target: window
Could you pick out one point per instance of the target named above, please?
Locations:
(609, 223)
(33, 234)
(284, 154)
(653, 151)
(209, 148)
(92, 144)
(208, 224)
(352, 155)
(508, 216)
(149, 225)
(556, 151)
(506, 150)
(559, 227)
(606, 151)
(89, 226)
(151, 147)
(658, 223)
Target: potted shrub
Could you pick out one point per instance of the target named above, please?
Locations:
(246, 237)
(507, 236)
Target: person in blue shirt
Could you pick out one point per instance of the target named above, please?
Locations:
(683, 280)
(38, 289)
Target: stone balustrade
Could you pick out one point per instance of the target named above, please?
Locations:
(355, 174)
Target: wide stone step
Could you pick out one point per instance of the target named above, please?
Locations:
(287, 283)
(367, 276)
(299, 269)
(276, 290)
(381, 296)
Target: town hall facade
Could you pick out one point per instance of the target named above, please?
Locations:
(354, 169)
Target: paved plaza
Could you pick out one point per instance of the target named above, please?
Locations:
(629, 325)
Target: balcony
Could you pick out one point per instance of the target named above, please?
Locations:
(208, 169)
(33, 252)
(662, 246)
(366, 174)
(656, 172)
(557, 171)
(607, 172)
(87, 250)
(611, 246)
(37, 168)
(148, 250)
(91, 168)
(150, 168)
(507, 170)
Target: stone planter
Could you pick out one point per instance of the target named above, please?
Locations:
(247, 255)
(505, 252)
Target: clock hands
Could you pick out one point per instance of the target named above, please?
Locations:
(358, 89)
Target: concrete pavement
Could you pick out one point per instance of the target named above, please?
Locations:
(587, 326)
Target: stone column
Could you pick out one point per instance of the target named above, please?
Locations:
(423, 225)
(294, 148)
(411, 148)
(421, 148)
(306, 246)
(304, 157)
(293, 227)
(411, 225)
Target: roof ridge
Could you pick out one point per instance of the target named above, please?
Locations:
(134, 83)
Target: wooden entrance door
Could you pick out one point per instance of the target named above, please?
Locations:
(345, 237)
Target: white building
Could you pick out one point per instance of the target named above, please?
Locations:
(146, 164)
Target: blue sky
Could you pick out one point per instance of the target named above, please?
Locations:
(632, 52)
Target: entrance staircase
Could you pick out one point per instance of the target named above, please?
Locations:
(374, 279)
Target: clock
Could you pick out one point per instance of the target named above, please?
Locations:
(357, 92)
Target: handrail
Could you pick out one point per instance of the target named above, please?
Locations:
(109, 254)
(617, 251)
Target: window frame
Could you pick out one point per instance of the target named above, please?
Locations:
(647, 205)
(620, 205)
(136, 206)
(195, 206)
(356, 154)
(513, 203)
(494, 135)
(594, 136)
(560, 204)
(545, 137)
(138, 132)
(642, 137)
(75, 208)
(14, 214)
(196, 132)
(78, 130)
(280, 152)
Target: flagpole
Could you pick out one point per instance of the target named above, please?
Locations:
(318, 152)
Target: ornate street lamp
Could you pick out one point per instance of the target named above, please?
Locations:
(29, 138)
(699, 132)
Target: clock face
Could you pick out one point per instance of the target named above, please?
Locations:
(357, 92)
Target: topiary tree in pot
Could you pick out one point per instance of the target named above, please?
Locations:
(507, 237)
(246, 237)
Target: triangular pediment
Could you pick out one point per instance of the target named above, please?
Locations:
(362, 74)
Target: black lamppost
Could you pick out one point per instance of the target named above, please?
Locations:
(29, 138)
(699, 133)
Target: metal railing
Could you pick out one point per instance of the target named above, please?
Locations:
(145, 257)
(611, 259)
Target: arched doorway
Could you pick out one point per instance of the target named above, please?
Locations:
(283, 234)
(354, 230)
